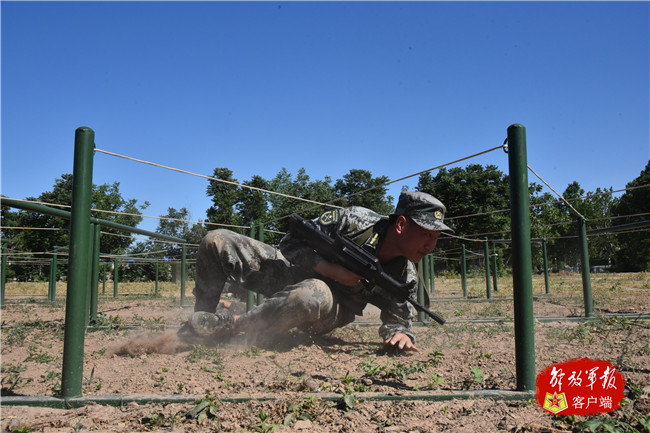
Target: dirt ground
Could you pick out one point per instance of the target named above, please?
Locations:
(344, 381)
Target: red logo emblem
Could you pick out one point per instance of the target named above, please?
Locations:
(580, 387)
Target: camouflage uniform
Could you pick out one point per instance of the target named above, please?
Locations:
(296, 297)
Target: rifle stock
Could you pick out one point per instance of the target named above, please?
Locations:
(344, 251)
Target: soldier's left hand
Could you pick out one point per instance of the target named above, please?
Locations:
(402, 341)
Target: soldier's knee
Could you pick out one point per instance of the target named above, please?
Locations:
(217, 238)
(312, 300)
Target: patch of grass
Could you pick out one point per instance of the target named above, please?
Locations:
(211, 354)
(398, 370)
(301, 411)
(252, 352)
(36, 356)
(17, 334)
(434, 382)
(265, 425)
(158, 420)
(113, 323)
(12, 376)
(352, 384)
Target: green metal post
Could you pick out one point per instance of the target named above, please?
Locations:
(183, 273)
(103, 278)
(426, 275)
(488, 283)
(463, 271)
(546, 279)
(522, 276)
(116, 267)
(51, 295)
(584, 261)
(422, 287)
(89, 272)
(432, 275)
(3, 270)
(260, 237)
(156, 285)
(94, 279)
(73, 344)
(494, 267)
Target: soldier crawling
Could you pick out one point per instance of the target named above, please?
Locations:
(302, 289)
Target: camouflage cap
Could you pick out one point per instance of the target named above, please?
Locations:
(427, 211)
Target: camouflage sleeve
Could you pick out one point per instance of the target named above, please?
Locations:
(398, 318)
(299, 252)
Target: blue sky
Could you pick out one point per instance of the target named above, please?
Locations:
(390, 87)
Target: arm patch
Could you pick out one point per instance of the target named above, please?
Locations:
(329, 217)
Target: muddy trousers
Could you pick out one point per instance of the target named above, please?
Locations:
(225, 257)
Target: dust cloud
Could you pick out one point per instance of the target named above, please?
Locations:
(167, 343)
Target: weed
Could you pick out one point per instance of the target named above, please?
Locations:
(351, 384)
(265, 425)
(300, 411)
(55, 377)
(34, 355)
(478, 375)
(598, 425)
(348, 402)
(207, 409)
(252, 352)
(434, 382)
(160, 381)
(476, 378)
(113, 323)
(211, 354)
(17, 334)
(99, 353)
(12, 377)
(644, 422)
(21, 430)
(371, 368)
(400, 371)
(158, 420)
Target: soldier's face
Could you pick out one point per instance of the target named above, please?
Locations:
(415, 242)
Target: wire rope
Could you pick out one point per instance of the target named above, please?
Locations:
(212, 178)
(556, 193)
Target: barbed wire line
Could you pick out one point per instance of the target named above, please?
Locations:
(31, 228)
(155, 241)
(584, 197)
(393, 181)
(210, 177)
(621, 216)
(556, 193)
(463, 238)
(203, 222)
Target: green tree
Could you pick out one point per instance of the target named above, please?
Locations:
(106, 197)
(252, 204)
(320, 191)
(224, 197)
(357, 181)
(634, 206)
(477, 201)
(176, 223)
(476, 197)
(596, 208)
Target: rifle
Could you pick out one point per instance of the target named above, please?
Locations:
(344, 251)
